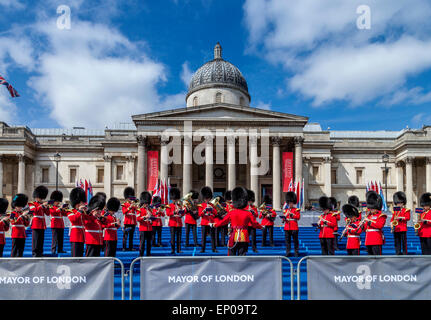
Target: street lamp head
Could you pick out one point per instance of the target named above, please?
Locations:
(57, 156)
(385, 158)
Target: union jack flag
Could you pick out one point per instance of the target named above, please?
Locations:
(11, 89)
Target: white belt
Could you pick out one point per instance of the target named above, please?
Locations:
(110, 229)
(98, 231)
(18, 225)
(290, 219)
(39, 217)
(80, 227)
(352, 236)
(1, 232)
(373, 230)
(56, 217)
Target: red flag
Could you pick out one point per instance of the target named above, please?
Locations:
(162, 192)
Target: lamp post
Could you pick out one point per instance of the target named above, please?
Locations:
(57, 158)
(385, 159)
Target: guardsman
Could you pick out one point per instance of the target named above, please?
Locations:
(93, 221)
(228, 198)
(145, 223)
(337, 215)
(175, 211)
(220, 212)
(399, 220)
(352, 229)
(158, 213)
(423, 225)
(4, 223)
(207, 212)
(110, 227)
(190, 220)
(57, 223)
(252, 208)
(19, 220)
(78, 200)
(268, 216)
(291, 217)
(239, 219)
(374, 223)
(327, 224)
(129, 212)
(38, 225)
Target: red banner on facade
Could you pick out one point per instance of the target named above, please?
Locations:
(287, 169)
(152, 169)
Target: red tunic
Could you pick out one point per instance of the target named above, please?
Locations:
(110, 228)
(93, 230)
(327, 231)
(402, 216)
(129, 213)
(253, 211)
(4, 226)
(425, 228)
(18, 226)
(76, 231)
(144, 224)
(189, 218)
(337, 215)
(206, 217)
(57, 215)
(353, 234)
(158, 215)
(374, 233)
(239, 220)
(265, 221)
(39, 213)
(173, 212)
(292, 216)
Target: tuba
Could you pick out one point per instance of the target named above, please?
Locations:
(220, 211)
(418, 224)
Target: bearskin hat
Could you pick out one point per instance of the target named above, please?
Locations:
(40, 192)
(156, 201)
(354, 201)
(20, 200)
(103, 194)
(96, 203)
(128, 192)
(425, 199)
(239, 198)
(206, 193)
(350, 211)
(291, 197)
(76, 196)
(174, 194)
(334, 203)
(195, 194)
(145, 197)
(400, 197)
(56, 195)
(267, 199)
(4, 203)
(325, 203)
(374, 200)
(228, 195)
(250, 195)
(113, 204)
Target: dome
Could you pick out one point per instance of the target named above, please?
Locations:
(218, 73)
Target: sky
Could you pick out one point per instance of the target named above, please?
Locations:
(343, 65)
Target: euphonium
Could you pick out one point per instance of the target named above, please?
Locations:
(217, 205)
(187, 201)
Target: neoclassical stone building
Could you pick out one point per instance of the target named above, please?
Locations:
(212, 141)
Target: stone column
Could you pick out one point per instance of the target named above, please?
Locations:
(141, 172)
(164, 157)
(231, 169)
(130, 176)
(1, 175)
(21, 173)
(276, 173)
(409, 181)
(187, 165)
(400, 176)
(327, 176)
(298, 158)
(107, 175)
(254, 177)
(209, 161)
(427, 174)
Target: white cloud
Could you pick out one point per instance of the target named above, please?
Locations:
(16, 50)
(7, 106)
(13, 4)
(263, 105)
(186, 74)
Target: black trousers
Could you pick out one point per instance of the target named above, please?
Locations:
(193, 228)
(175, 238)
(353, 252)
(110, 248)
(145, 237)
(327, 245)
(93, 250)
(1, 250)
(38, 236)
(129, 231)
(425, 245)
(57, 240)
(400, 239)
(77, 249)
(252, 236)
(239, 249)
(18, 245)
(221, 234)
(205, 231)
(157, 230)
(374, 250)
(290, 235)
(265, 231)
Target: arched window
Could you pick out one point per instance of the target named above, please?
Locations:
(218, 97)
(241, 101)
(195, 101)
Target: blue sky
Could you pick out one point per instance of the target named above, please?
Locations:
(301, 57)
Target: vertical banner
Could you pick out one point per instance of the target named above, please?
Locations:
(152, 169)
(287, 169)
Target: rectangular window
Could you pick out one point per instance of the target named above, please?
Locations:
(315, 173)
(334, 176)
(120, 172)
(359, 176)
(100, 175)
(45, 175)
(72, 175)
